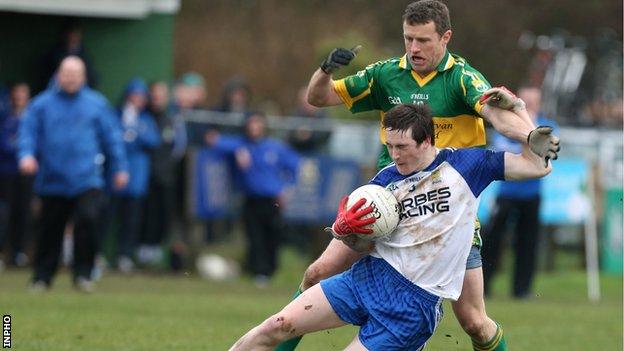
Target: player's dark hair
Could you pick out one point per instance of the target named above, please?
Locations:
(421, 12)
(415, 116)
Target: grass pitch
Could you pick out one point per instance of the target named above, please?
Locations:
(164, 312)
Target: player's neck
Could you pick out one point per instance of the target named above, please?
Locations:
(427, 158)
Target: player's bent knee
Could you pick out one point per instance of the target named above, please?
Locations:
(473, 327)
(313, 275)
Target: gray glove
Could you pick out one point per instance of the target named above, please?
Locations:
(543, 143)
(502, 98)
(354, 242)
(339, 57)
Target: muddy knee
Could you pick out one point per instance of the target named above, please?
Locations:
(277, 328)
(313, 275)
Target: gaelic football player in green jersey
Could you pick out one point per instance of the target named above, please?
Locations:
(460, 98)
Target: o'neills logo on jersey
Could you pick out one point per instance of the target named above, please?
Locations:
(434, 201)
(418, 97)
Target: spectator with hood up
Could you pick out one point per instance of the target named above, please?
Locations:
(140, 136)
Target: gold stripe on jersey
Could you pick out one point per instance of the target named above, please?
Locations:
(461, 82)
(459, 131)
(382, 131)
(340, 87)
(403, 61)
(423, 80)
(449, 62)
(478, 107)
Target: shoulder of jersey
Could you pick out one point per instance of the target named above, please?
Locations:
(391, 61)
(460, 61)
(386, 174)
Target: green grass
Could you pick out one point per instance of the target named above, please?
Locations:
(164, 312)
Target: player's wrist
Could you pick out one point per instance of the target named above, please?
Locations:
(341, 228)
(326, 68)
(518, 105)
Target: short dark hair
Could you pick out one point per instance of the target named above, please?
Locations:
(423, 11)
(415, 116)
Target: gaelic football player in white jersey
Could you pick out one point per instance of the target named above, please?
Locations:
(394, 292)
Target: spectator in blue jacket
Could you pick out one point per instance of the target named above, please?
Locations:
(64, 138)
(140, 136)
(15, 189)
(265, 167)
(517, 202)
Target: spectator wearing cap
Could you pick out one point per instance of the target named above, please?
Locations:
(190, 92)
(140, 136)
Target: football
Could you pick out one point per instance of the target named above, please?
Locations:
(385, 209)
(215, 267)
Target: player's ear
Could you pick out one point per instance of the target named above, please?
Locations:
(446, 37)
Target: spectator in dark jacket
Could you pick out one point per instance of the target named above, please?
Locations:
(70, 44)
(165, 162)
(15, 189)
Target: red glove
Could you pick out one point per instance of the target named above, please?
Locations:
(350, 221)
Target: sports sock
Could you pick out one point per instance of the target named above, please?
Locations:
(290, 344)
(497, 343)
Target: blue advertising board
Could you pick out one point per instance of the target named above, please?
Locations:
(321, 183)
(213, 186)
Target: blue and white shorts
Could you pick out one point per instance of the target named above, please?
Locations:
(392, 312)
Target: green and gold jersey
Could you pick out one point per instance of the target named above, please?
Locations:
(452, 91)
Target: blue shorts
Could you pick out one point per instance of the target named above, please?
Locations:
(392, 312)
(474, 258)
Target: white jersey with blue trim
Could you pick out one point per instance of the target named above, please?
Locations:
(438, 207)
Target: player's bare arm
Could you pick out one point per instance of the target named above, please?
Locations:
(508, 123)
(500, 106)
(526, 165)
(321, 89)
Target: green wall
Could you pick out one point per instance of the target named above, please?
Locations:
(119, 49)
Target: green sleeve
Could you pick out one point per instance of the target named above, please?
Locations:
(473, 86)
(356, 91)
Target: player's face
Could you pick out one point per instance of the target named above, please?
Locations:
(424, 46)
(405, 152)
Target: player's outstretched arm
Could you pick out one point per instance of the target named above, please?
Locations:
(507, 113)
(526, 165)
(320, 89)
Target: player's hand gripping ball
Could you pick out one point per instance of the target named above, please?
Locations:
(370, 211)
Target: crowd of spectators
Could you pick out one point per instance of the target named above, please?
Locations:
(108, 182)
